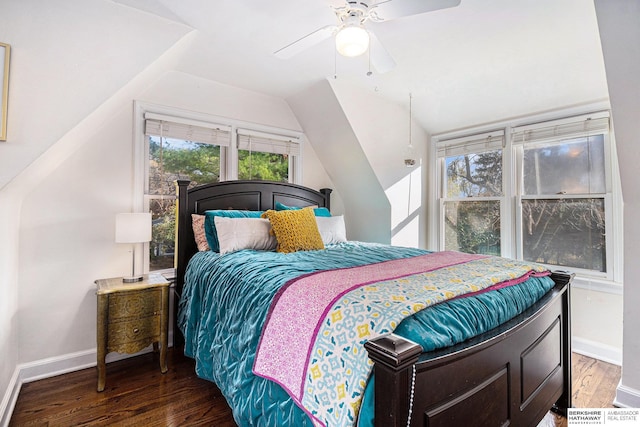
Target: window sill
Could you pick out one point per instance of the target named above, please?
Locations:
(599, 285)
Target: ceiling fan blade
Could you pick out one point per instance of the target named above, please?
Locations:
(305, 42)
(392, 9)
(380, 57)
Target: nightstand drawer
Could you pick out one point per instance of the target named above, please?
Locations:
(143, 303)
(134, 330)
(136, 333)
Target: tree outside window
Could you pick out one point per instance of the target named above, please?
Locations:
(563, 206)
(472, 204)
(170, 160)
(261, 166)
(560, 200)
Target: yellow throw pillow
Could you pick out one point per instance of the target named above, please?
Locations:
(295, 230)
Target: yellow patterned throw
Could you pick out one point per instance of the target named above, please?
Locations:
(295, 230)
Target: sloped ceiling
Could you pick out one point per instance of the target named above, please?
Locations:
(67, 59)
(482, 61)
(342, 155)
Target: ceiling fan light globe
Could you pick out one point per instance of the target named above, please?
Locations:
(352, 41)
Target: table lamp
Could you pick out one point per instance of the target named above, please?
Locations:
(133, 228)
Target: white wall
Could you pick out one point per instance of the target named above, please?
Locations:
(9, 216)
(360, 139)
(66, 242)
(336, 145)
(620, 35)
(597, 322)
(382, 130)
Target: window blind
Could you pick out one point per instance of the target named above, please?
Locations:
(268, 143)
(479, 143)
(570, 128)
(188, 130)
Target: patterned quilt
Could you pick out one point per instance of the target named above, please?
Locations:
(329, 315)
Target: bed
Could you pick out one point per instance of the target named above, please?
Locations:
(507, 374)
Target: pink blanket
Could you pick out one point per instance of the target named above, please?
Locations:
(305, 328)
(301, 304)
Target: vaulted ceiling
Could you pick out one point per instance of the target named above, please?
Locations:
(481, 61)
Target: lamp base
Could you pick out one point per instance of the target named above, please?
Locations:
(132, 279)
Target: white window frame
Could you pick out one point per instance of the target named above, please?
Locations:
(471, 144)
(607, 196)
(611, 282)
(263, 142)
(228, 155)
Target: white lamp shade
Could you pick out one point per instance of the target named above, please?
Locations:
(133, 227)
(352, 40)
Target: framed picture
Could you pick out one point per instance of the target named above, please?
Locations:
(4, 88)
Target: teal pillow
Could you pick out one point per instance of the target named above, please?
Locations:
(210, 223)
(318, 211)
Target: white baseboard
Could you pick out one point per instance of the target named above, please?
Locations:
(10, 398)
(58, 365)
(626, 397)
(51, 367)
(597, 350)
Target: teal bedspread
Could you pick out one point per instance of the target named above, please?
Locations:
(226, 299)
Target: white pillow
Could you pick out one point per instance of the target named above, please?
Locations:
(332, 229)
(235, 234)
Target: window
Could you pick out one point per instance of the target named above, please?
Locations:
(266, 157)
(472, 193)
(177, 151)
(563, 192)
(175, 144)
(550, 205)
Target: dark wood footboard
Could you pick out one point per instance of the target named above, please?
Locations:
(511, 375)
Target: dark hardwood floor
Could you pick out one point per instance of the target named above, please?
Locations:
(137, 394)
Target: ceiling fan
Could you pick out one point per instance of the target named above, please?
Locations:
(351, 35)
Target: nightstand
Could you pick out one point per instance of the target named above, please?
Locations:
(131, 316)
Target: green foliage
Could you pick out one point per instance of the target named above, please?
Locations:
(479, 227)
(473, 227)
(162, 244)
(172, 160)
(199, 163)
(263, 166)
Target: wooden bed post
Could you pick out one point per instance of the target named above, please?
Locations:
(564, 402)
(326, 192)
(394, 359)
(181, 219)
(180, 257)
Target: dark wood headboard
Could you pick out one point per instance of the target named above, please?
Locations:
(243, 195)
